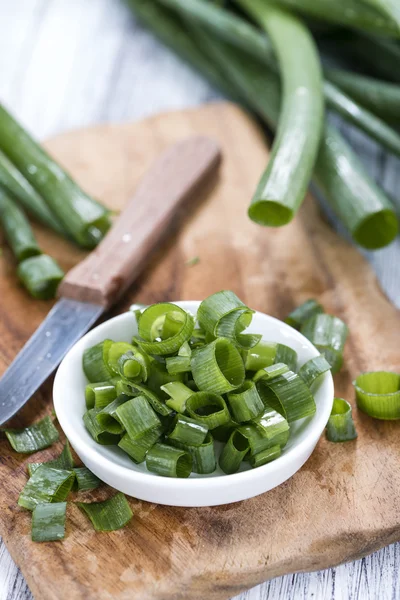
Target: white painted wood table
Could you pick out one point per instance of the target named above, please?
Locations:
(71, 63)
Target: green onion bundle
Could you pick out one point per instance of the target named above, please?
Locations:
(194, 397)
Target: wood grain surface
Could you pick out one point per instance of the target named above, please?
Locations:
(341, 505)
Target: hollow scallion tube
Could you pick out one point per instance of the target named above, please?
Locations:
(137, 416)
(340, 426)
(178, 393)
(288, 395)
(99, 395)
(210, 409)
(265, 456)
(98, 432)
(302, 313)
(186, 430)
(245, 402)
(46, 485)
(270, 372)
(40, 275)
(138, 446)
(110, 515)
(64, 461)
(157, 338)
(168, 461)
(283, 185)
(17, 229)
(83, 218)
(218, 367)
(48, 522)
(378, 394)
(85, 480)
(31, 439)
(313, 369)
(95, 362)
(107, 417)
(273, 427)
(265, 354)
(328, 334)
(131, 388)
(233, 452)
(203, 456)
(181, 362)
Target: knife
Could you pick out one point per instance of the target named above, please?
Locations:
(95, 284)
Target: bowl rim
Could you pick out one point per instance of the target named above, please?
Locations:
(178, 484)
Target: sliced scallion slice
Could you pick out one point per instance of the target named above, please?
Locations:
(99, 433)
(218, 367)
(31, 439)
(64, 461)
(135, 389)
(265, 354)
(46, 485)
(233, 452)
(137, 416)
(95, 364)
(161, 336)
(178, 393)
(302, 313)
(99, 395)
(378, 394)
(181, 362)
(138, 446)
(265, 456)
(186, 430)
(245, 402)
(107, 417)
(169, 461)
(85, 479)
(109, 515)
(313, 369)
(271, 372)
(48, 522)
(40, 275)
(288, 395)
(340, 427)
(208, 408)
(223, 432)
(203, 456)
(328, 334)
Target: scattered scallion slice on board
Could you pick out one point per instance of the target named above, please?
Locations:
(378, 394)
(340, 427)
(40, 275)
(313, 369)
(302, 313)
(169, 461)
(47, 484)
(48, 522)
(109, 515)
(328, 334)
(36, 437)
(233, 452)
(64, 461)
(85, 480)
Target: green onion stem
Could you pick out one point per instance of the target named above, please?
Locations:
(40, 275)
(378, 394)
(340, 427)
(17, 229)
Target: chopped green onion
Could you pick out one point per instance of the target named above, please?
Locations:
(265, 456)
(208, 408)
(48, 522)
(127, 361)
(265, 354)
(100, 394)
(160, 335)
(273, 426)
(378, 394)
(192, 261)
(138, 446)
(233, 452)
(218, 367)
(137, 416)
(98, 432)
(135, 389)
(95, 364)
(158, 377)
(223, 432)
(328, 334)
(17, 229)
(191, 432)
(109, 515)
(181, 362)
(40, 275)
(31, 439)
(85, 479)
(340, 427)
(179, 393)
(64, 461)
(313, 369)
(168, 461)
(245, 403)
(270, 372)
(302, 313)
(46, 485)
(288, 395)
(203, 456)
(107, 417)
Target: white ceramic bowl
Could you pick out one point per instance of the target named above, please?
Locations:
(115, 468)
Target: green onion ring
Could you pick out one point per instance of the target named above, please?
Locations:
(378, 394)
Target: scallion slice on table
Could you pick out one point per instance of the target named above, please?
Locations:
(31, 439)
(85, 480)
(64, 461)
(328, 334)
(110, 515)
(378, 394)
(340, 427)
(48, 522)
(83, 218)
(233, 452)
(313, 369)
(41, 275)
(169, 461)
(302, 313)
(17, 229)
(47, 484)
(284, 183)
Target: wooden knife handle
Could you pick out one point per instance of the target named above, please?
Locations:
(107, 272)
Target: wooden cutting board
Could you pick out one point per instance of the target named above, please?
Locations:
(341, 505)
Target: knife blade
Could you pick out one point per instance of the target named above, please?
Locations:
(95, 284)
